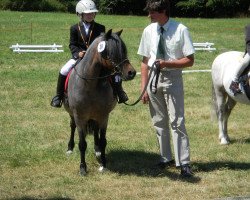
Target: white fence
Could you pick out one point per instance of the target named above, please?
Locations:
(36, 48)
(206, 46)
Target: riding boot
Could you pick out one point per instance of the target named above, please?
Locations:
(234, 87)
(118, 90)
(247, 39)
(57, 100)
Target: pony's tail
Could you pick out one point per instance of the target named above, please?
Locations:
(214, 106)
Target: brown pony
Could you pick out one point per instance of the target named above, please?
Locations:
(90, 96)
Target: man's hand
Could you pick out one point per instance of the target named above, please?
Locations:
(145, 98)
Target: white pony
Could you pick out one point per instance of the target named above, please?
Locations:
(223, 99)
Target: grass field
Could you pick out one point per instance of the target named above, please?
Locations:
(34, 136)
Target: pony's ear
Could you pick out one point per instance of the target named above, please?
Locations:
(108, 34)
(119, 32)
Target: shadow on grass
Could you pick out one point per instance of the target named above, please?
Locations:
(217, 165)
(240, 141)
(141, 163)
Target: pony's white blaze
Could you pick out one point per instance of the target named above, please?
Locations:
(223, 71)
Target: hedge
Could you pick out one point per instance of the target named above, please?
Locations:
(179, 8)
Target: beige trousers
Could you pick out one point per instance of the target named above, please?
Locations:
(167, 113)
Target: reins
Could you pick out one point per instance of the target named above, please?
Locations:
(156, 68)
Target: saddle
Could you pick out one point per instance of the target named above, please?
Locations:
(66, 100)
(67, 78)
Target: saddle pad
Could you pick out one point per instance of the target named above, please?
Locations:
(67, 82)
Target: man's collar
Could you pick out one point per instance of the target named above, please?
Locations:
(165, 26)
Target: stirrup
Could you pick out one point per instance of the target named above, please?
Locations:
(56, 102)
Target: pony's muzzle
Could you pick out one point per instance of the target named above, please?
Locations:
(130, 75)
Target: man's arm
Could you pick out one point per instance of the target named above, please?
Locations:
(179, 63)
(144, 78)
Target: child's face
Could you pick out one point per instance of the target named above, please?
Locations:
(88, 17)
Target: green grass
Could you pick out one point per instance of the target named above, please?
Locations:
(34, 136)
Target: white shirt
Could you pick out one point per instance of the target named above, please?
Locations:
(86, 26)
(178, 43)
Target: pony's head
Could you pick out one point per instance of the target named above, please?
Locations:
(113, 54)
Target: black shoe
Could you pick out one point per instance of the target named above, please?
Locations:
(56, 102)
(234, 87)
(163, 165)
(186, 171)
(122, 97)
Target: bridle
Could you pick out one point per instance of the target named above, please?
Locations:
(117, 69)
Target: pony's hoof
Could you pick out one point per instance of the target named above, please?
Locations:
(83, 172)
(98, 154)
(224, 141)
(69, 152)
(102, 169)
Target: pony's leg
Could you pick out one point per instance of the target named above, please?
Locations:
(225, 105)
(102, 146)
(221, 104)
(228, 108)
(82, 147)
(97, 143)
(71, 143)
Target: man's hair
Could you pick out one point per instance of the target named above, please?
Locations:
(158, 5)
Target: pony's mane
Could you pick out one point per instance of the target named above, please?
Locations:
(116, 49)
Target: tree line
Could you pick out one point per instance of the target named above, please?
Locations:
(179, 8)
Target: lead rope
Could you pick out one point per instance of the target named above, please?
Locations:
(155, 67)
(154, 82)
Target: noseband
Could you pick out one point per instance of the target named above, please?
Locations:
(117, 67)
